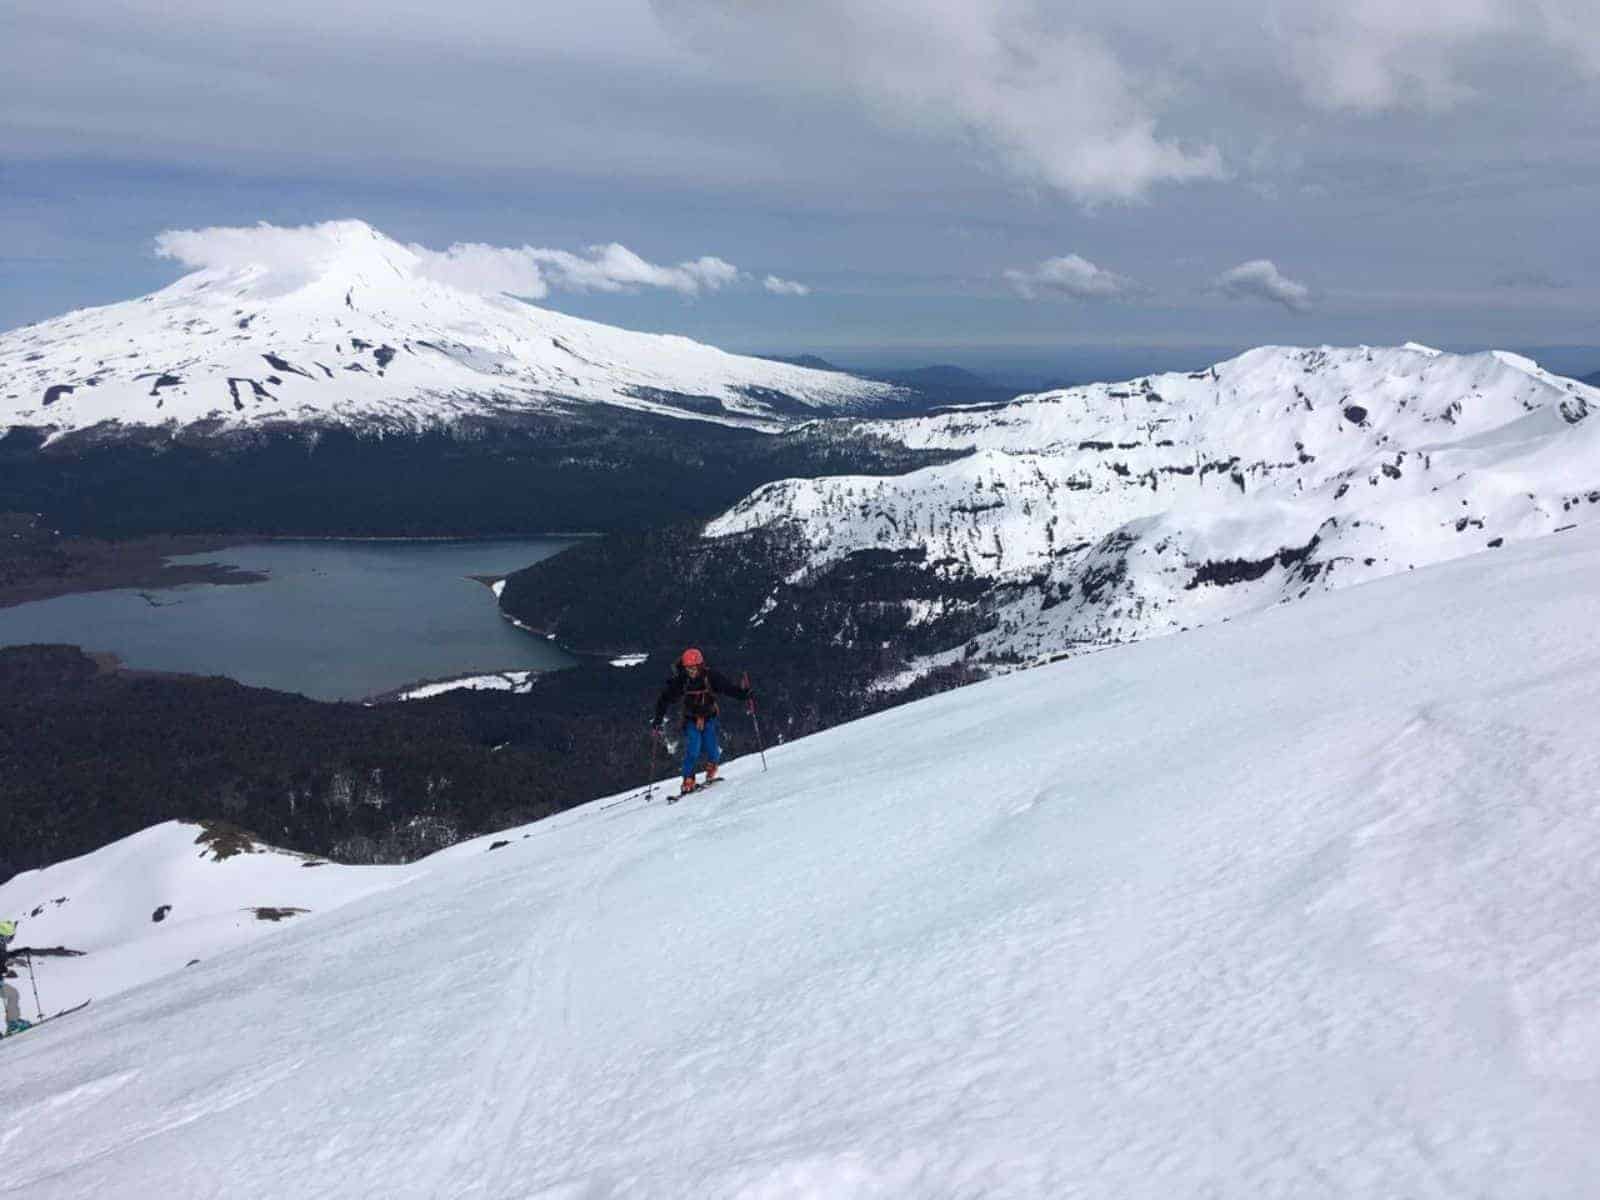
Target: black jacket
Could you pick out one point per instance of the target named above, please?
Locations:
(699, 695)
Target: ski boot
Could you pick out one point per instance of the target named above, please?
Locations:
(711, 773)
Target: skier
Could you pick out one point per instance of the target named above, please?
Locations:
(13, 1000)
(699, 687)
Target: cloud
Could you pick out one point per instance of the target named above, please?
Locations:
(1099, 100)
(614, 268)
(1374, 56)
(488, 270)
(784, 287)
(1072, 277)
(1260, 279)
(1052, 104)
(295, 254)
(284, 250)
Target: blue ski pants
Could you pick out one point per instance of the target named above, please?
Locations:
(695, 740)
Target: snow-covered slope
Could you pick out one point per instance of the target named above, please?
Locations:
(1116, 511)
(363, 339)
(153, 903)
(1300, 905)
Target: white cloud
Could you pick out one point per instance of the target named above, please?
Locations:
(1373, 55)
(1052, 103)
(284, 250)
(475, 267)
(615, 268)
(1260, 279)
(1073, 277)
(784, 287)
(299, 253)
(1428, 55)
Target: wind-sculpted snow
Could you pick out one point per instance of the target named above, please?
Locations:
(1298, 906)
(367, 342)
(1116, 511)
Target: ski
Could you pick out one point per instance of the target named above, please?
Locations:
(65, 1012)
(676, 796)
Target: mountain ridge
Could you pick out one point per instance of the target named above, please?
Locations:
(364, 339)
(1111, 512)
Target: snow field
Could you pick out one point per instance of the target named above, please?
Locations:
(105, 904)
(1113, 512)
(499, 681)
(1299, 905)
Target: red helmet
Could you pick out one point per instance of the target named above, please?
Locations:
(692, 658)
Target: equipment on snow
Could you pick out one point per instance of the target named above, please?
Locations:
(700, 788)
(43, 1020)
(37, 1007)
(750, 707)
(655, 744)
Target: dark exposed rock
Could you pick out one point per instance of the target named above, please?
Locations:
(278, 363)
(267, 913)
(1228, 571)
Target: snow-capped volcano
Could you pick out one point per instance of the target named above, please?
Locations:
(1114, 511)
(361, 336)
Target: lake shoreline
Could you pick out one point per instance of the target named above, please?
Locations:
(447, 537)
(38, 564)
(43, 567)
(331, 620)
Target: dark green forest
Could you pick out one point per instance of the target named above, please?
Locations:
(90, 753)
(538, 474)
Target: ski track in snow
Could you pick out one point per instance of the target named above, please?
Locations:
(1300, 906)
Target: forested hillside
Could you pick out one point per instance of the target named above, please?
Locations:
(91, 753)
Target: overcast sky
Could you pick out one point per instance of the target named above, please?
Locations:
(927, 180)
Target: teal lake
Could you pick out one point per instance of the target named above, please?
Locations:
(334, 620)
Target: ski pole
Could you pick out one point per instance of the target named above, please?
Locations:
(650, 786)
(750, 707)
(39, 1008)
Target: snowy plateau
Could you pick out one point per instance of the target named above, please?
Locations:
(1306, 904)
(1113, 512)
(362, 339)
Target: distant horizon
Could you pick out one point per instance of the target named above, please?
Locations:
(1021, 363)
(1008, 364)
